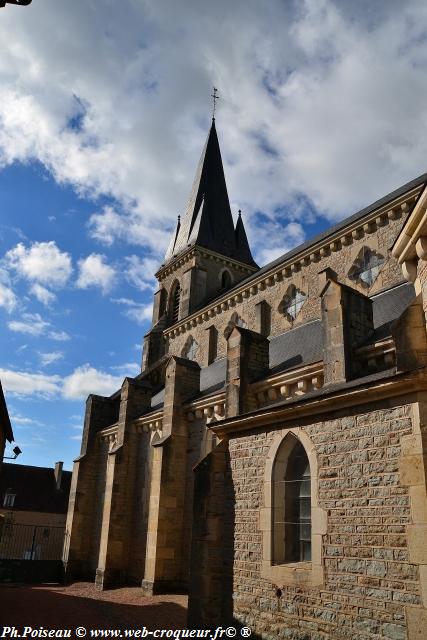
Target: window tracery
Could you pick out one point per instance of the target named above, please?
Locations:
(366, 267)
(291, 503)
(292, 302)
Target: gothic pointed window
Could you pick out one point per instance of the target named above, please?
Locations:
(292, 303)
(191, 349)
(366, 267)
(174, 303)
(291, 503)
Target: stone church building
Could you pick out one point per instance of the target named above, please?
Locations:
(270, 458)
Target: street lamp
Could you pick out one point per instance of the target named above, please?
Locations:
(16, 450)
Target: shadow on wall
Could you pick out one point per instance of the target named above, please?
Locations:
(212, 549)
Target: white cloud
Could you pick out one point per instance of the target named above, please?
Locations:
(50, 357)
(31, 323)
(7, 298)
(94, 272)
(317, 97)
(59, 336)
(135, 311)
(42, 294)
(76, 386)
(86, 379)
(24, 421)
(140, 272)
(26, 384)
(41, 262)
(34, 325)
(277, 239)
(129, 369)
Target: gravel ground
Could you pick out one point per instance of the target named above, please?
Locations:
(79, 604)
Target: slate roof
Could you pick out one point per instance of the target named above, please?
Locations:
(330, 231)
(304, 344)
(389, 305)
(207, 220)
(35, 488)
(4, 417)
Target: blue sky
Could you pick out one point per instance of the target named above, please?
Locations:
(104, 109)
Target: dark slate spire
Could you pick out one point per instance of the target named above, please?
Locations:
(242, 244)
(174, 238)
(207, 221)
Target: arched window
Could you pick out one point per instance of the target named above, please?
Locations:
(291, 503)
(174, 303)
(163, 302)
(225, 279)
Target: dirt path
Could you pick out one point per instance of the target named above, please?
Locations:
(79, 604)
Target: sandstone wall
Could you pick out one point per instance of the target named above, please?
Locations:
(101, 470)
(140, 506)
(370, 579)
(307, 280)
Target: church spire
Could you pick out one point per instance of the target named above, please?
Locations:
(207, 221)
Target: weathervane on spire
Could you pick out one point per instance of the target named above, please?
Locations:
(215, 97)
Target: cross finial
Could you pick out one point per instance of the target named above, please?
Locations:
(215, 97)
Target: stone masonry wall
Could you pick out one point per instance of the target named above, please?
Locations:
(368, 576)
(308, 281)
(101, 470)
(140, 507)
(422, 275)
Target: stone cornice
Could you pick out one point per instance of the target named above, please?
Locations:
(310, 254)
(194, 252)
(381, 389)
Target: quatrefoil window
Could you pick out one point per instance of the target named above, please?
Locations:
(366, 267)
(292, 303)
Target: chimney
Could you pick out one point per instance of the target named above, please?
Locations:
(58, 474)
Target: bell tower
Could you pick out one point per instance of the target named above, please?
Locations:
(207, 254)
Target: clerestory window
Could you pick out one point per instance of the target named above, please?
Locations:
(191, 349)
(366, 267)
(293, 302)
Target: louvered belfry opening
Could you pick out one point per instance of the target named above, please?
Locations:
(175, 304)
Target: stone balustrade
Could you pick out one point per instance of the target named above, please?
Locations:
(288, 385)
